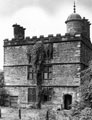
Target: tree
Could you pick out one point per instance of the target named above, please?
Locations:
(37, 56)
(1, 78)
(3, 92)
(86, 87)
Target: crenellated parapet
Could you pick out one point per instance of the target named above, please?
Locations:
(20, 41)
(50, 38)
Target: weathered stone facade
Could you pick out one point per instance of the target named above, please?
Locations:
(71, 54)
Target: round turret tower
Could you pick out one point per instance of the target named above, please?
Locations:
(74, 23)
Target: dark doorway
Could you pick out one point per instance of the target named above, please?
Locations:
(45, 98)
(67, 101)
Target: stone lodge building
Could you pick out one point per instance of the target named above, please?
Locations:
(70, 54)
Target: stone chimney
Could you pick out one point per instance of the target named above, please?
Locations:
(19, 32)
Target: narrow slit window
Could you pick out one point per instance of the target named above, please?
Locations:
(30, 73)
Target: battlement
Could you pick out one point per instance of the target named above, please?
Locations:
(84, 19)
(20, 39)
(50, 38)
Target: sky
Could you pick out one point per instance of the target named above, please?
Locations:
(39, 17)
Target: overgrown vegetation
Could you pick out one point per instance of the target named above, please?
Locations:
(2, 90)
(39, 54)
(83, 110)
(1, 79)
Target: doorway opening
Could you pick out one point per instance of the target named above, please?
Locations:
(67, 101)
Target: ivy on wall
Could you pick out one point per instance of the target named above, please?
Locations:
(39, 53)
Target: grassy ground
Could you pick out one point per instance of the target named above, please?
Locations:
(8, 113)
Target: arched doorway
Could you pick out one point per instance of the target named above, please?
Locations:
(67, 101)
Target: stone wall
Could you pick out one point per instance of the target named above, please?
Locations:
(64, 75)
(16, 61)
(20, 92)
(15, 71)
(15, 55)
(66, 59)
(66, 52)
(15, 75)
(86, 53)
(64, 69)
(65, 64)
(74, 27)
(58, 96)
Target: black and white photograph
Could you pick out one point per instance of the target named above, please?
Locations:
(45, 60)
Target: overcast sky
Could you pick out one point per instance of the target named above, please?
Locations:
(39, 17)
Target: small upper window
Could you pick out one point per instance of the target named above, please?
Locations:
(49, 52)
(30, 73)
(47, 74)
(29, 59)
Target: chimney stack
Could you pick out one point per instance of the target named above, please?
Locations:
(19, 32)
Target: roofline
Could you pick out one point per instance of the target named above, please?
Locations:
(73, 20)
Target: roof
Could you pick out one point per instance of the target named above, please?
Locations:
(73, 16)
